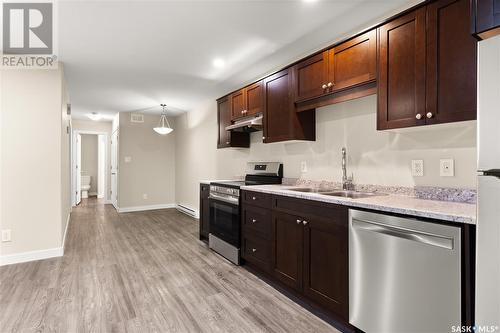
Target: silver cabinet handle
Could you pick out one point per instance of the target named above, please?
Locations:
(227, 142)
(263, 138)
(304, 222)
(299, 221)
(429, 115)
(254, 250)
(254, 220)
(418, 116)
(254, 198)
(330, 84)
(324, 86)
(242, 111)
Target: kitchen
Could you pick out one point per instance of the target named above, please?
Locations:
(334, 168)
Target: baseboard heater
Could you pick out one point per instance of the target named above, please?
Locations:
(187, 211)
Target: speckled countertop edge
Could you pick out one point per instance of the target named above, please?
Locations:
(399, 204)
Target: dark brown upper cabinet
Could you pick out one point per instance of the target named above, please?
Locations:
(354, 62)
(311, 77)
(401, 77)
(451, 80)
(247, 101)
(226, 139)
(486, 18)
(281, 121)
(427, 67)
(348, 64)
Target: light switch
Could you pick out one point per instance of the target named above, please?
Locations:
(6, 235)
(303, 166)
(417, 168)
(446, 167)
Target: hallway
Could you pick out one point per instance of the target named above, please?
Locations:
(143, 272)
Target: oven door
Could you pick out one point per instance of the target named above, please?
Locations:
(225, 219)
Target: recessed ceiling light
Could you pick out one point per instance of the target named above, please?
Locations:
(218, 62)
(94, 116)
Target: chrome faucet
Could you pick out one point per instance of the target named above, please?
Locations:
(346, 181)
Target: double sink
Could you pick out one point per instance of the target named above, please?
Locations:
(337, 192)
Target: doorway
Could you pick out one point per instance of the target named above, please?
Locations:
(89, 166)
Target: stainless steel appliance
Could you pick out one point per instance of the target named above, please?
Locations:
(404, 274)
(488, 185)
(224, 201)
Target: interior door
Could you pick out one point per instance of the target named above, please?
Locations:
(114, 169)
(78, 167)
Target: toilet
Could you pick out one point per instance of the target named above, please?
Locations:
(85, 186)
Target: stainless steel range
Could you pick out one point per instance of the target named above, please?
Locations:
(224, 202)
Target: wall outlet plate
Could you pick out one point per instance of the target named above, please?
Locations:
(417, 168)
(6, 235)
(127, 159)
(447, 167)
(145, 196)
(303, 166)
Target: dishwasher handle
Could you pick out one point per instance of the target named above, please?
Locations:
(410, 234)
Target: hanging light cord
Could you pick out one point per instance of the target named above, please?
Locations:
(163, 117)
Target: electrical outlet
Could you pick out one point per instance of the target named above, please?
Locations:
(6, 235)
(145, 196)
(446, 167)
(303, 166)
(417, 168)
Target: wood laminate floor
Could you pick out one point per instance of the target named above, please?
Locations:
(142, 272)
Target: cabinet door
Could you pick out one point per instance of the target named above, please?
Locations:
(204, 211)
(278, 107)
(254, 99)
(487, 18)
(451, 63)
(311, 77)
(354, 62)
(224, 119)
(238, 107)
(287, 249)
(326, 270)
(401, 84)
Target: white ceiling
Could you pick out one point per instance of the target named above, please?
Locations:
(134, 55)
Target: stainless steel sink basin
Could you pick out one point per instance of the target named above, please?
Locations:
(352, 194)
(311, 190)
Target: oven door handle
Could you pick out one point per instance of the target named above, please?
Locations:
(230, 200)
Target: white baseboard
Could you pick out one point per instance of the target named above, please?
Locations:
(94, 194)
(142, 208)
(18, 258)
(188, 211)
(108, 202)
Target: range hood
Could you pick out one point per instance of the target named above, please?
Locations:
(251, 124)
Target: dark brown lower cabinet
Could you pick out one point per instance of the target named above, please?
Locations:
(288, 249)
(204, 211)
(302, 245)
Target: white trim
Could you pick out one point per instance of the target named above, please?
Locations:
(31, 256)
(189, 211)
(94, 194)
(108, 202)
(141, 208)
(66, 232)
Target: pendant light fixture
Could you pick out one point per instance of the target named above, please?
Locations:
(163, 127)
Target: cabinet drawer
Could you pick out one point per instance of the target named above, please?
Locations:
(257, 251)
(257, 220)
(307, 209)
(257, 199)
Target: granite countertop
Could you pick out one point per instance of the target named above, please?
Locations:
(400, 204)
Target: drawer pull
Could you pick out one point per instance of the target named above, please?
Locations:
(254, 250)
(254, 220)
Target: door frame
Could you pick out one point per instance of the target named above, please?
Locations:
(74, 173)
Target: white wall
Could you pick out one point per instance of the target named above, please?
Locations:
(89, 160)
(34, 158)
(98, 126)
(151, 170)
(374, 157)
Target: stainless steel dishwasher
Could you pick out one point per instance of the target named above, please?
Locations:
(404, 274)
